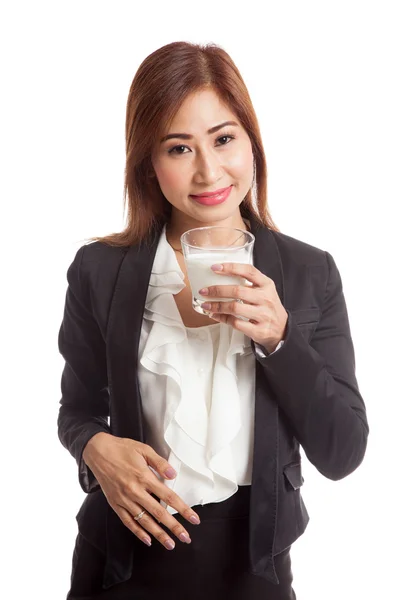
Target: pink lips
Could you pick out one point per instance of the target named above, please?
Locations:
(210, 200)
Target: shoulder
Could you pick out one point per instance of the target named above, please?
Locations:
(97, 255)
(96, 261)
(298, 256)
(99, 251)
(298, 251)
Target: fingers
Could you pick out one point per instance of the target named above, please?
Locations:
(128, 478)
(150, 521)
(250, 272)
(132, 525)
(144, 525)
(137, 497)
(157, 462)
(249, 311)
(151, 483)
(247, 294)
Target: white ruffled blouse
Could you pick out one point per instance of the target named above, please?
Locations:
(198, 388)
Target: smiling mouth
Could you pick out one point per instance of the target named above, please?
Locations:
(208, 194)
(214, 199)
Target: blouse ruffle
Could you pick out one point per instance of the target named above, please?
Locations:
(198, 431)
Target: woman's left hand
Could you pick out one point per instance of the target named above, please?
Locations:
(261, 305)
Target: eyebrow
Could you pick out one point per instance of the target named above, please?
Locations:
(186, 136)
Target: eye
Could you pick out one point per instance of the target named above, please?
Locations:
(222, 137)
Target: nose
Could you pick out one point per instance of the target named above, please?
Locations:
(208, 169)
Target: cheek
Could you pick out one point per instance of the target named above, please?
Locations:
(241, 163)
(170, 178)
(242, 172)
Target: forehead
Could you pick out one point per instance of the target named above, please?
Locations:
(200, 111)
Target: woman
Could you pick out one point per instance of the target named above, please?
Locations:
(158, 522)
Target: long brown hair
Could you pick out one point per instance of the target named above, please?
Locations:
(161, 84)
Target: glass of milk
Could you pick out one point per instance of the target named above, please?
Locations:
(206, 246)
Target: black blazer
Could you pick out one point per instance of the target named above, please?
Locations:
(306, 392)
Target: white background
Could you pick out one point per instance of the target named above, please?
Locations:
(324, 80)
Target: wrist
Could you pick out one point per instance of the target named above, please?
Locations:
(271, 347)
(93, 446)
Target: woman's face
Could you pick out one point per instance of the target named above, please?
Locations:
(204, 163)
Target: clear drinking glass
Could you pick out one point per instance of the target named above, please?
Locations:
(206, 246)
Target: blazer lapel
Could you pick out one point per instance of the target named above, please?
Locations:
(263, 501)
(126, 417)
(123, 336)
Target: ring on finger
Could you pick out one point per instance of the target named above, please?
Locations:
(140, 515)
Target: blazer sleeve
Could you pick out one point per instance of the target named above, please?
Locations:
(315, 385)
(84, 385)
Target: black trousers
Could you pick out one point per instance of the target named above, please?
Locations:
(214, 566)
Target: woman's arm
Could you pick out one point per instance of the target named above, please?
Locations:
(316, 387)
(85, 397)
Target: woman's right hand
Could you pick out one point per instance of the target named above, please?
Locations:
(121, 466)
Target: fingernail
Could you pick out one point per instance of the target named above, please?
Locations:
(170, 545)
(217, 267)
(185, 538)
(147, 541)
(206, 305)
(203, 291)
(170, 472)
(195, 520)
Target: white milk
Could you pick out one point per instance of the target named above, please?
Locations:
(201, 275)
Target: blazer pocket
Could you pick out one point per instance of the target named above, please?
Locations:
(307, 320)
(293, 515)
(293, 475)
